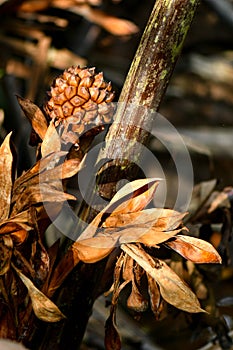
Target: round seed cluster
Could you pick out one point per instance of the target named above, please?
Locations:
(81, 97)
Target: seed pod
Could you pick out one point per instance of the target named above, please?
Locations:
(80, 97)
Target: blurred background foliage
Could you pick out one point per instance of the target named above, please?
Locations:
(40, 38)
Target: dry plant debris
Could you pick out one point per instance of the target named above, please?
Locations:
(29, 268)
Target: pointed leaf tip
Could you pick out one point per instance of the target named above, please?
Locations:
(43, 307)
(6, 168)
(134, 196)
(195, 249)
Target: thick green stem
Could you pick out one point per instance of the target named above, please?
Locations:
(144, 88)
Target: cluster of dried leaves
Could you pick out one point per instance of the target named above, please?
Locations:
(30, 273)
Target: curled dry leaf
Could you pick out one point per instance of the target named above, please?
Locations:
(139, 230)
(15, 223)
(95, 244)
(68, 169)
(90, 254)
(136, 300)
(166, 219)
(172, 288)
(41, 194)
(43, 164)
(156, 301)
(194, 249)
(133, 197)
(6, 163)
(43, 307)
(17, 227)
(34, 115)
(42, 183)
(127, 272)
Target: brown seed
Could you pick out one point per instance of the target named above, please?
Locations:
(87, 82)
(83, 92)
(94, 92)
(61, 84)
(67, 109)
(109, 87)
(73, 80)
(101, 97)
(75, 70)
(110, 97)
(50, 104)
(84, 73)
(55, 91)
(77, 101)
(66, 75)
(70, 91)
(98, 80)
(59, 99)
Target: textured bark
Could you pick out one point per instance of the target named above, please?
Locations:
(143, 90)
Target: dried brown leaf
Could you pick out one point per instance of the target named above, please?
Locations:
(41, 185)
(96, 248)
(163, 219)
(51, 141)
(94, 244)
(136, 300)
(42, 193)
(34, 115)
(6, 163)
(150, 226)
(127, 271)
(6, 247)
(43, 307)
(64, 267)
(63, 171)
(155, 298)
(42, 165)
(132, 197)
(20, 221)
(172, 288)
(40, 261)
(88, 253)
(17, 227)
(195, 249)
